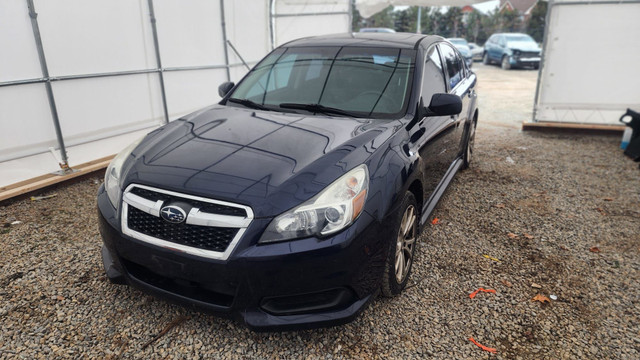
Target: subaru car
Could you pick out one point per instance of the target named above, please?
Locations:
(512, 50)
(300, 196)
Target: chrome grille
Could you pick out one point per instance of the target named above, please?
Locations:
(528, 54)
(212, 228)
(201, 237)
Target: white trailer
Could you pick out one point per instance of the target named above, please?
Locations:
(590, 71)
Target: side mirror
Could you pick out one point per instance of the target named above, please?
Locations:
(444, 104)
(225, 87)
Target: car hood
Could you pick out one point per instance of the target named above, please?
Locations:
(523, 46)
(267, 160)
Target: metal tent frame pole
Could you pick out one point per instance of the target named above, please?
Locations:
(272, 23)
(238, 55)
(156, 46)
(64, 165)
(224, 39)
(545, 43)
(351, 4)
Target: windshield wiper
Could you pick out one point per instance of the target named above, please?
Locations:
(250, 104)
(317, 108)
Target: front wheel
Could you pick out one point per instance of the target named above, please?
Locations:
(398, 265)
(485, 59)
(506, 65)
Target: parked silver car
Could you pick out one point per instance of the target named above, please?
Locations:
(476, 51)
(463, 46)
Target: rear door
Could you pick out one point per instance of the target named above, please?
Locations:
(489, 45)
(501, 46)
(494, 51)
(459, 82)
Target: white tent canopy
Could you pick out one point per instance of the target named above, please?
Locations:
(108, 71)
(368, 8)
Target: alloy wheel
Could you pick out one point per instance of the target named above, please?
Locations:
(506, 65)
(472, 138)
(405, 243)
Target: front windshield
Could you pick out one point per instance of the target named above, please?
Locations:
(363, 82)
(459, 42)
(519, 38)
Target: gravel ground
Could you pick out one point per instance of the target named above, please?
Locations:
(536, 203)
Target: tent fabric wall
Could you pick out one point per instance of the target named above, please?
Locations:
(590, 62)
(103, 70)
(295, 19)
(368, 8)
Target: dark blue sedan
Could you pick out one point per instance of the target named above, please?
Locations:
(300, 196)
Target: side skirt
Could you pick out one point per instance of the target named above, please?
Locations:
(442, 187)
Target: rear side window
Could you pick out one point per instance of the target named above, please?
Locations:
(433, 80)
(454, 64)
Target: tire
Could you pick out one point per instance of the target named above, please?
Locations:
(468, 150)
(536, 66)
(505, 64)
(397, 268)
(485, 59)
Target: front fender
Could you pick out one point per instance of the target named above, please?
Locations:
(392, 172)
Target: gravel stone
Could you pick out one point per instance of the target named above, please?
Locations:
(55, 301)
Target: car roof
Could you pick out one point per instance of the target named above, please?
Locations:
(511, 33)
(392, 40)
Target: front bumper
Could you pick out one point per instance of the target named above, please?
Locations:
(298, 284)
(524, 61)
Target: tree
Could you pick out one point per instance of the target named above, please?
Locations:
(407, 20)
(356, 18)
(474, 28)
(384, 19)
(536, 24)
(451, 23)
(508, 21)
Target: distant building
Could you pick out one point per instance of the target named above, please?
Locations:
(484, 8)
(523, 7)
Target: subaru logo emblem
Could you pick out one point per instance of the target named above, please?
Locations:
(173, 214)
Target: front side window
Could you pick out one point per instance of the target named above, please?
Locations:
(363, 82)
(433, 80)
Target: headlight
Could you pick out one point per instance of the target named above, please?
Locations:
(515, 52)
(333, 209)
(112, 175)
